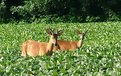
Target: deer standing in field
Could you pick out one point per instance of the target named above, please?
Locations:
(35, 48)
(71, 45)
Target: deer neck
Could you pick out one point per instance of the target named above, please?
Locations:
(50, 46)
(79, 43)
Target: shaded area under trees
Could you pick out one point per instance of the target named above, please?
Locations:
(60, 10)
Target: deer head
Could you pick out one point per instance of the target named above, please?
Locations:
(82, 35)
(54, 36)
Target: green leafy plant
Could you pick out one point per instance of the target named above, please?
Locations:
(100, 54)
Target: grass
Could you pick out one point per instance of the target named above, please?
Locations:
(100, 54)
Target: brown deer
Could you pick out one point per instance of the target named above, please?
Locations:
(35, 48)
(71, 45)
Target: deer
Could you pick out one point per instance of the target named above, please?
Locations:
(71, 45)
(35, 48)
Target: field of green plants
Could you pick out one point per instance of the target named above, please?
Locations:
(99, 56)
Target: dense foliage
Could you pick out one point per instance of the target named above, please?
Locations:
(99, 56)
(60, 10)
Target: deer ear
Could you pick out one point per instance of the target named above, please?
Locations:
(78, 32)
(49, 31)
(86, 32)
(59, 32)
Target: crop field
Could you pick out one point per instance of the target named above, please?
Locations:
(99, 56)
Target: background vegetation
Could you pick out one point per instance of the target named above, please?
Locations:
(60, 10)
(99, 56)
(101, 51)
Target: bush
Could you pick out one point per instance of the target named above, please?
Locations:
(2, 11)
(71, 10)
